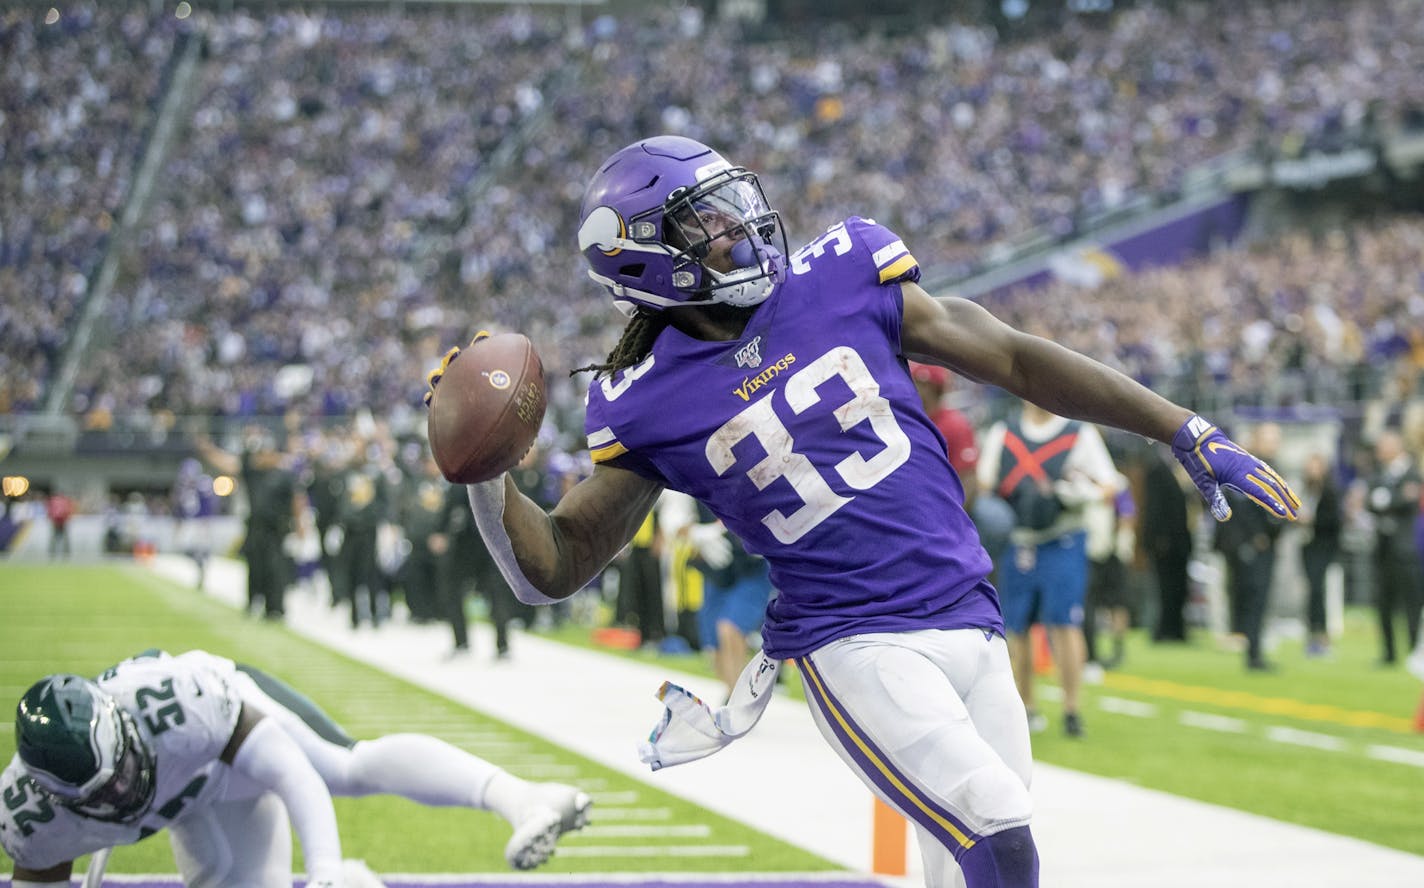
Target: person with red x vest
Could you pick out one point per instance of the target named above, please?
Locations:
(1048, 469)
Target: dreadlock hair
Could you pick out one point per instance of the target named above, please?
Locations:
(633, 346)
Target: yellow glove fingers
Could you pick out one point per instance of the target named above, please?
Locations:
(1274, 500)
(433, 378)
(1285, 488)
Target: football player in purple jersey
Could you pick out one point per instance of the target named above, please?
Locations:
(773, 387)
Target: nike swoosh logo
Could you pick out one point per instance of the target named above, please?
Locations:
(1216, 446)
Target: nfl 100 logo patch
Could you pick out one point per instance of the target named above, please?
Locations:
(749, 355)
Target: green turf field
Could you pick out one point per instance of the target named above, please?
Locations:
(1327, 743)
(83, 619)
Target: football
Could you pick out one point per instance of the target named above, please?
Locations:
(487, 408)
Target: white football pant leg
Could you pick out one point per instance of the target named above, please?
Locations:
(235, 844)
(418, 767)
(903, 710)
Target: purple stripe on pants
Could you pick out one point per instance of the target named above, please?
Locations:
(884, 774)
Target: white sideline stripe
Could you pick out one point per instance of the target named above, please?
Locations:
(653, 851)
(1127, 707)
(1212, 722)
(643, 831)
(1312, 739)
(1396, 754)
(599, 812)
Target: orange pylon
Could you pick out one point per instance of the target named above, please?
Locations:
(888, 834)
(1042, 654)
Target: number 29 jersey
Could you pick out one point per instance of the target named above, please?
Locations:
(807, 438)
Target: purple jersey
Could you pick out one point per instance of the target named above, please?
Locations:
(193, 498)
(808, 439)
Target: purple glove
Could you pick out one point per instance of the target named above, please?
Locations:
(1215, 461)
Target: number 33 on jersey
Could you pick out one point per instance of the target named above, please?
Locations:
(799, 435)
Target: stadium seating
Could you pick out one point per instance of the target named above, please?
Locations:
(355, 188)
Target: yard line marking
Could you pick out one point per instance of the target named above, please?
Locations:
(1312, 739)
(621, 797)
(532, 760)
(589, 784)
(1123, 706)
(535, 769)
(644, 831)
(652, 851)
(1257, 704)
(1212, 722)
(601, 812)
(1395, 754)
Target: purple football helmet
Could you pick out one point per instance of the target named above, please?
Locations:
(667, 221)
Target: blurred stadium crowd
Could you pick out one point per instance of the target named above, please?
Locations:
(353, 190)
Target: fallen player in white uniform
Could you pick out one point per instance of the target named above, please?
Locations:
(222, 755)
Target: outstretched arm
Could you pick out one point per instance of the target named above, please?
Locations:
(215, 456)
(546, 557)
(966, 337)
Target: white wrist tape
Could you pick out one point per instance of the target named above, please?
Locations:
(274, 760)
(487, 504)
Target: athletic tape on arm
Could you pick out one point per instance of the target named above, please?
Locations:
(487, 503)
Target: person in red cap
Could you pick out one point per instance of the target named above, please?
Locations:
(933, 383)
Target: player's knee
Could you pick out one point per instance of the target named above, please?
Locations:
(338, 767)
(997, 798)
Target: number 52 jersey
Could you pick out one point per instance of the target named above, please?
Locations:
(186, 710)
(806, 436)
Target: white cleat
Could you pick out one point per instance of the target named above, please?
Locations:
(553, 810)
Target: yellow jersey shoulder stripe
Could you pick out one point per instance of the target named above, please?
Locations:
(604, 454)
(897, 268)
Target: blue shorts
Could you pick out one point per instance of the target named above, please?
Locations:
(1050, 591)
(743, 604)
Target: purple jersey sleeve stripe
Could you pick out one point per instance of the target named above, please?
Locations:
(950, 831)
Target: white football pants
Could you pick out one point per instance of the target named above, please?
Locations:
(932, 722)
